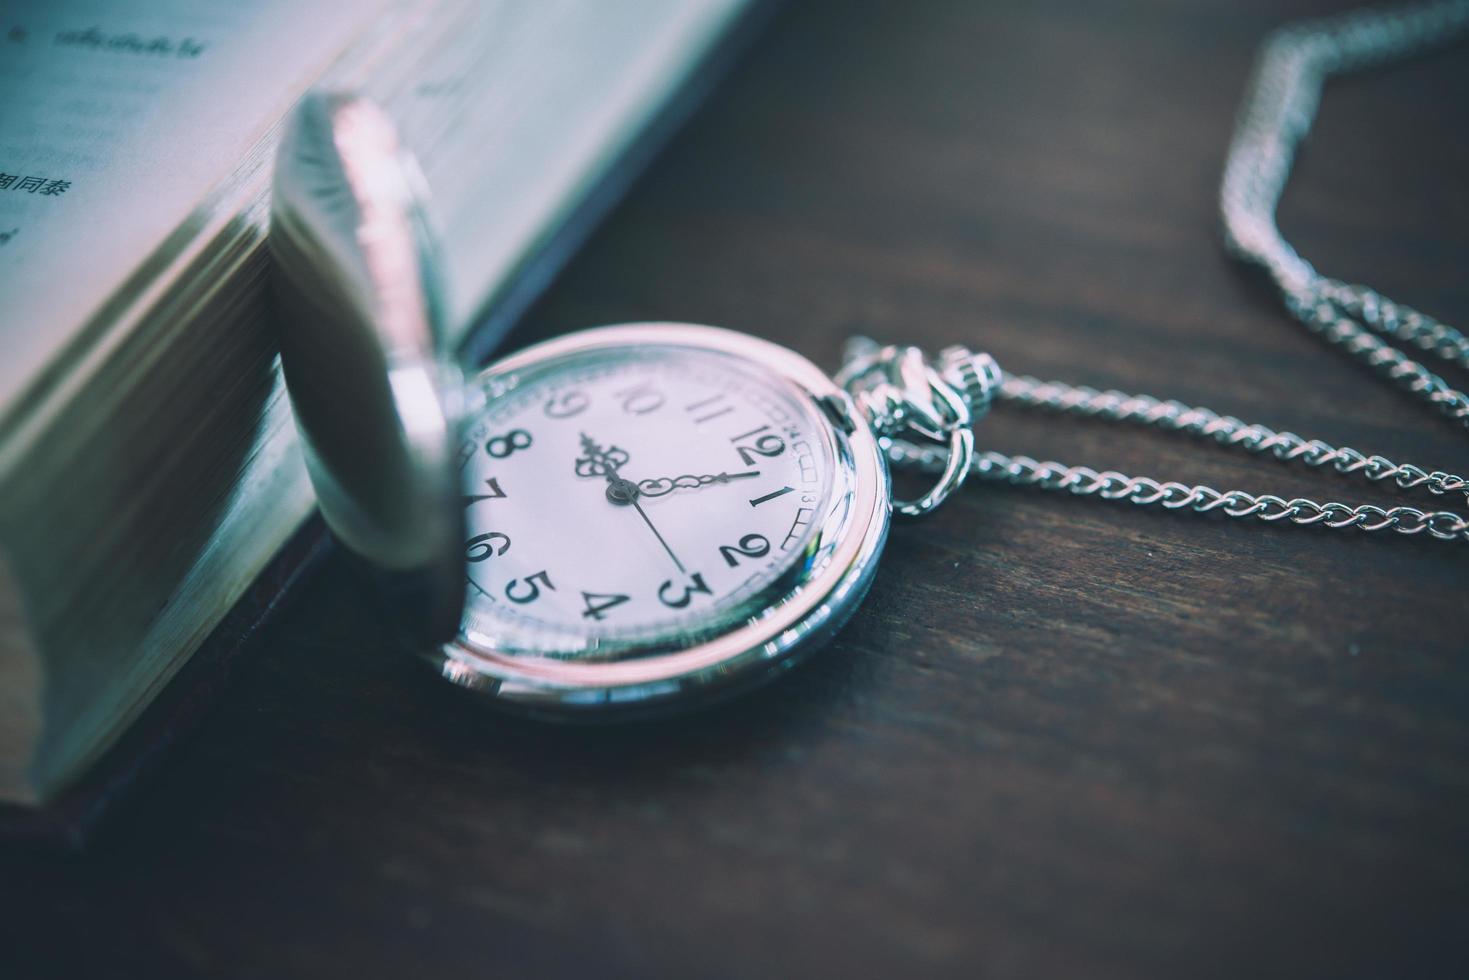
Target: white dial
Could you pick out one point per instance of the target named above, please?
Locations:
(620, 497)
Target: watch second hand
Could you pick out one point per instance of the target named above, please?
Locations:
(604, 462)
(643, 514)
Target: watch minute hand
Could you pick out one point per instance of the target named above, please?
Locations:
(659, 485)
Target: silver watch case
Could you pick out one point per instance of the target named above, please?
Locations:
(354, 277)
(788, 619)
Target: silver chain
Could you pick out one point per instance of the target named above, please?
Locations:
(1226, 430)
(1277, 114)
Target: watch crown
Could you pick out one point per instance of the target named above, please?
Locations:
(976, 377)
(905, 395)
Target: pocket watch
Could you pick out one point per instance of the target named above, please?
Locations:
(619, 520)
(644, 516)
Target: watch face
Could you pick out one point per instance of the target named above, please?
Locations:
(645, 498)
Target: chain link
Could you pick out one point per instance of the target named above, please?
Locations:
(1277, 114)
(1083, 481)
(1226, 430)
(1278, 111)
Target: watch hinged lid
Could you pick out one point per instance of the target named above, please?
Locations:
(355, 280)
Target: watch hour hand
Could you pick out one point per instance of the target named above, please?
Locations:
(595, 460)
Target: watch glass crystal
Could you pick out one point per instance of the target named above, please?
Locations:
(633, 499)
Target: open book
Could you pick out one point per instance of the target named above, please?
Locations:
(148, 466)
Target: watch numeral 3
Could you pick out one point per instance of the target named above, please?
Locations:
(696, 587)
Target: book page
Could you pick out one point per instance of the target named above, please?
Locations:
(516, 110)
(116, 120)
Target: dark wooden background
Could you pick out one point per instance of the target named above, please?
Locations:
(1062, 738)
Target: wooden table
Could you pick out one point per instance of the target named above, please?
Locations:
(1063, 737)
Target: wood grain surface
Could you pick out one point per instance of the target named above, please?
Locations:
(1063, 737)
